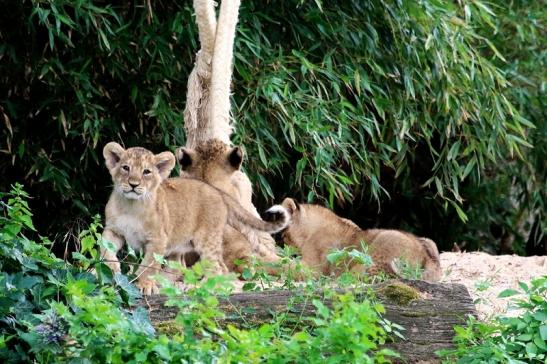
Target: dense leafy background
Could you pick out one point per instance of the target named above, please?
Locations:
(397, 113)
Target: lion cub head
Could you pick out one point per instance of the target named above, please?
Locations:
(299, 229)
(211, 161)
(137, 172)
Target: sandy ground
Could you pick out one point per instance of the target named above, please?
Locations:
(485, 276)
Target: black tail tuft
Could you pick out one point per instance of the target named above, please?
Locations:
(272, 216)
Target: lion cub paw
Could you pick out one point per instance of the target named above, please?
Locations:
(148, 287)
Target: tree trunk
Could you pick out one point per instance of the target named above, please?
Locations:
(428, 312)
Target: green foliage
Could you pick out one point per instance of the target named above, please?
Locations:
(346, 257)
(35, 287)
(363, 93)
(56, 312)
(335, 101)
(507, 204)
(350, 331)
(408, 270)
(520, 339)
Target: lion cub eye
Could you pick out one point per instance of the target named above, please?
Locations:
(125, 168)
(146, 172)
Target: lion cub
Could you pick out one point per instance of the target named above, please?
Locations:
(218, 164)
(316, 230)
(168, 216)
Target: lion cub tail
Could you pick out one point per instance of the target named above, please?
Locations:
(238, 217)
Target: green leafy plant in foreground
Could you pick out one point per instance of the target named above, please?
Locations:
(408, 270)
(35, 286)
(520, 339)
(53, 311)
(346, 257)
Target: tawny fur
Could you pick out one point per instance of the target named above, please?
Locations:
(167, 216)
(237, 254)
(216, 163)
(316, 231)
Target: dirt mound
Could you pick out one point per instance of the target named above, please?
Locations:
(485, 276)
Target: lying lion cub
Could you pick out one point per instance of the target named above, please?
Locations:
(316, 230)
(168, 217)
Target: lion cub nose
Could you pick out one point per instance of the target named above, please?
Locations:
(133, 185)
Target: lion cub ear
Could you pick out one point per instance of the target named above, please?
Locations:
(186, 157)
(112, 153)
(164, 162)
(290, 205)
(235, 157)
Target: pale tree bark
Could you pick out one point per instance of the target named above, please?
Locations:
(207, 112)
(222, 71)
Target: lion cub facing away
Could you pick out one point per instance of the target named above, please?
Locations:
(168, 217)
(316, 230)
(219, 165)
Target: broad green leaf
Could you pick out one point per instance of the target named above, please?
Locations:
(507, 293)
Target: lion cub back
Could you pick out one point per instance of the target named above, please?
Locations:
(387, 246)
(192, 204)
(316, 230)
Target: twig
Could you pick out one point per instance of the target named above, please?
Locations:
(140, 265)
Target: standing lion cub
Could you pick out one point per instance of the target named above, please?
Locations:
(219, 165)
(168, 216)
(316, 230)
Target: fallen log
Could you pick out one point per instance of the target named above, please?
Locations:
(428, 312)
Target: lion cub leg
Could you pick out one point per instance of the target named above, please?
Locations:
(266, 248)
(109, 256)
(208, 244)
(149, 265)
(235, 247)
